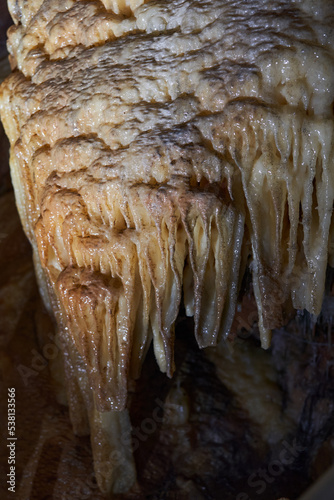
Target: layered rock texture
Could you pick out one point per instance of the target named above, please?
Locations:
(157, 150)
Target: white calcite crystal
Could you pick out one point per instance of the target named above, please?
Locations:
(157, 148)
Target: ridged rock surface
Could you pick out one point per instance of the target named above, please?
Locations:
(157, 148)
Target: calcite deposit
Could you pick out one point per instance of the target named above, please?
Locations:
(157, 150)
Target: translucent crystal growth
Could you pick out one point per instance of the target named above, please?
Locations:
(156, 147)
